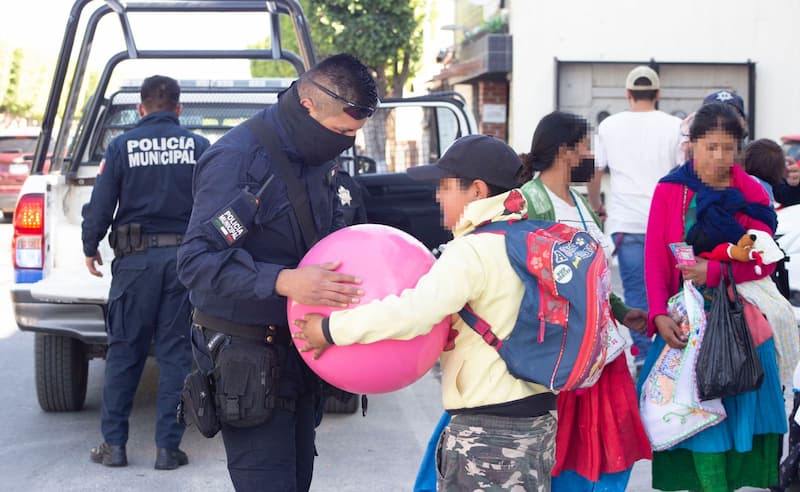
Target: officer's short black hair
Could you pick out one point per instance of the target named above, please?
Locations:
(345, 75)
(160, 93)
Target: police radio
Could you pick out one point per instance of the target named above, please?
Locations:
(233, 220)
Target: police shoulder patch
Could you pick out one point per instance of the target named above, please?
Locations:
(229, 226)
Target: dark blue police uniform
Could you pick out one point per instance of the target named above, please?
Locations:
(146, 176)
(236, 284)
(350, 198)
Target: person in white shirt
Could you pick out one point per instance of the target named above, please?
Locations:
(637, 147)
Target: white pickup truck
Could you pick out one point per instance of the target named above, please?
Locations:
(53, 295)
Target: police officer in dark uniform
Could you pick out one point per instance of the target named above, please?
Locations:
(146, 175)
(240, 265)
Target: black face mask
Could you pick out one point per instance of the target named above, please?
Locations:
(315, 144)
(584, 172)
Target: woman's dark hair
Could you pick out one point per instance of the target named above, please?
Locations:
(764, 159)
(716, 116)
(555, 130)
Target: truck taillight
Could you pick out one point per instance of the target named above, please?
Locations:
(27, 246)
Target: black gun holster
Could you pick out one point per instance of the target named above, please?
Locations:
(126, 239)
(197, 404)
(246, 376)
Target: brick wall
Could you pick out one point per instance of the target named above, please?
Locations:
(492, 92)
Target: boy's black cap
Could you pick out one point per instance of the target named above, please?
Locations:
(474, 157)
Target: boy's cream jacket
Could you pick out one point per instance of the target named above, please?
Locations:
(474, 269)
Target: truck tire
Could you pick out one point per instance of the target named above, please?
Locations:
(61, 372)
(348, 405)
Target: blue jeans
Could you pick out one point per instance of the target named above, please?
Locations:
(630, 253)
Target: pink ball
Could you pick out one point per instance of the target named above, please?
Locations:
(388, 261)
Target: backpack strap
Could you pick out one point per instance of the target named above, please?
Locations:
(296, 189)
(480, 326)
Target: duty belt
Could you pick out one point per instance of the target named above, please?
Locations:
(162, 240)
(128, 239)
(269, 334)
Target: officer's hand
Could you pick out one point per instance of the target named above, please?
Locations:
(670, 331)
(636, 320)
(319, 285)
(91, 260)
(311, 332)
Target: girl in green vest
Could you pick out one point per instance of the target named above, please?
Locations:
(600, 435)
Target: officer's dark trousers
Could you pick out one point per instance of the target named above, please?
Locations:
(146, 304)
(277, 455)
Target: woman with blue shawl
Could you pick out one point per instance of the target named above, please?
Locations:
(708, 201)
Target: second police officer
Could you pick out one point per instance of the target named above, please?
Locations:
(263, 194)
(146, 176)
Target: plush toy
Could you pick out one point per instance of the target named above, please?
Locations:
(754, 245)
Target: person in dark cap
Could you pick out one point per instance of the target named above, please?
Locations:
(493, 412)
(724, 96)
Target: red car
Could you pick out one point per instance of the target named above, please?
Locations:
(15, 145)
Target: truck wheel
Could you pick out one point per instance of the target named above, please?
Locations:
(61, 372)
(348, 405)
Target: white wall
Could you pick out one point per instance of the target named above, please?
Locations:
(677, 31)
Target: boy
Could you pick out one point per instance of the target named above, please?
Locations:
(502, 432)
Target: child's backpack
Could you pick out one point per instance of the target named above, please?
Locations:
(560, 336)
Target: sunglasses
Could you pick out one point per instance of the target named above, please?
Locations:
(355, 111)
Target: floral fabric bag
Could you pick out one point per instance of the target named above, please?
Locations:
(670, 407)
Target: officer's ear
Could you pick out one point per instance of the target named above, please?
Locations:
(307, 103)
(178, 110)
(142, 111)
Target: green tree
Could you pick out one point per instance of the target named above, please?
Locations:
(13, 103)
(385, 34)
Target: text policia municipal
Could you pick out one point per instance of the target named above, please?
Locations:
(158, 151)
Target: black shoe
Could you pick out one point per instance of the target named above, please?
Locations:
(109, 455)
(169, 459)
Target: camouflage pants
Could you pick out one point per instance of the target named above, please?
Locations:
(483, 452)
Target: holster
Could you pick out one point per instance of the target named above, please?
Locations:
(246, 377)
(197, 402)
(119, 240)
(128, 239)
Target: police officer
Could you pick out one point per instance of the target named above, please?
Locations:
(241, 266)
(146, 176)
